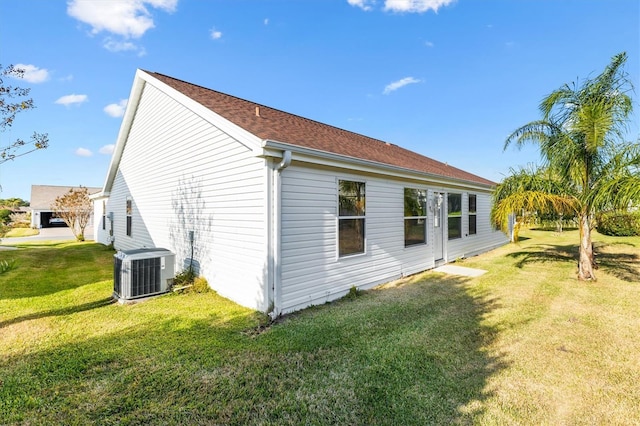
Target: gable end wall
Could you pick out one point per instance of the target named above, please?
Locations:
(183, 174)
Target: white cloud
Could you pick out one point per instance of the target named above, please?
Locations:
(417, 6)
(113, 45)
(107, 149)
(33, 74)
(116, 110)
(362, 4)
(118, 46)
(400, 83)
(72, 99)
(127, 18)
(83, 152)
(215, 34)
(266, 21)
(429, 43)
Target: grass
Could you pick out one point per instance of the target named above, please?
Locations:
(525, 343)
(21, 232)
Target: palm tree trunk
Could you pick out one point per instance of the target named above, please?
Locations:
(585, 263)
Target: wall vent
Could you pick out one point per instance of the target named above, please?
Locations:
(142, 272)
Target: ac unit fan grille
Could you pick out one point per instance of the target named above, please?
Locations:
(117, 276)
(145, 276)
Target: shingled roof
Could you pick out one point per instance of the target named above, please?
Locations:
(272, 124)
(42, 196)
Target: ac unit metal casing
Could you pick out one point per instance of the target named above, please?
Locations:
(142, 272)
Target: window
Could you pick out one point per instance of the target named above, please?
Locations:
(129, 211)
(454, 209)
(472, 214)
(415, 216)
(351, 205)
(104, 215)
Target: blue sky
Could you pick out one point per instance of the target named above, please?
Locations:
(449, 79)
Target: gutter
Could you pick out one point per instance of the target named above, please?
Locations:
(272, 148)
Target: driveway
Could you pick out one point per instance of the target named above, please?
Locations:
(48, 234)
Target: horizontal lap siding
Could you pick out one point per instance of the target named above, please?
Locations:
(312, 273)
(486, 237)
(184, 174)
(100, 235)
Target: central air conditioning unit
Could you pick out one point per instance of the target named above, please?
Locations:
(142, 272)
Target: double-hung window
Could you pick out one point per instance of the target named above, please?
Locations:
(104, 215)
(415, 216)
(129, 214)
(351, 217)
(472, 214)
(454, 211)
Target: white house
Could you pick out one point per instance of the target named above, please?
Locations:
(279, 212)
(42, 198)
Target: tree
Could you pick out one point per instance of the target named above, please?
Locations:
(12, 101)
(13, 203)
(586, 165)
(5, 216)
(75, 208)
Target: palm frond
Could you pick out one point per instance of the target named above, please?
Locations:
(537, 132)
(533, 201)
(619, 183)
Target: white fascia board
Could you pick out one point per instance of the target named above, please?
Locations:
(246, 138)
(125, 127)
(99, 196)
(309, 155)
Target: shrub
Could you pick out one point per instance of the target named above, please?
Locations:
(20, 219)
(619, 223)
(185, 277)
(5, 216)
(353, 293)
(200, 285)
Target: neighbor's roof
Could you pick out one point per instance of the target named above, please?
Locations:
(42, 196)
(275, 125)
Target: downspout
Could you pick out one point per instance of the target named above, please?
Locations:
(277, 232)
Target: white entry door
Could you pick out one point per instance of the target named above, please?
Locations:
(438, 225)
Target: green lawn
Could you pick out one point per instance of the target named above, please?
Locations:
(21, 232)
(525, 343)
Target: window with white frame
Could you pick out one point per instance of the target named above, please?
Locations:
(351, 217)
(104, 215)
(129, 215)
(415, 216)
(454, 215)
(472, 214)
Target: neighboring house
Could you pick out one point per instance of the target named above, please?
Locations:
(279, 212)
(42, 197)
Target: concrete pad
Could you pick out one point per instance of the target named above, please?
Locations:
(460, 270)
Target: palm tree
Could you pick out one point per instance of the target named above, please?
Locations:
(586, 166)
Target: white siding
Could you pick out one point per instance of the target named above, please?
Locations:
(183, 174)
(100, 235)
(486, 237)
(312, 273)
